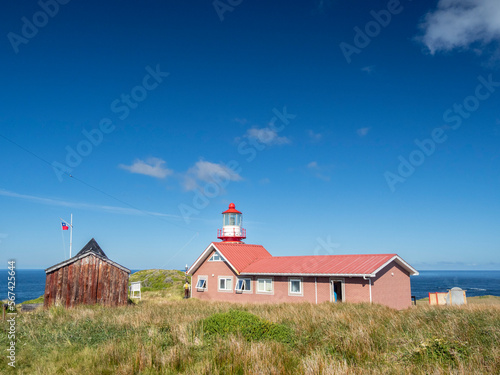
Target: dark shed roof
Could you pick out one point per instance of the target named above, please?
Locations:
(91, 248)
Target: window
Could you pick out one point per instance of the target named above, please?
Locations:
(231, 219)
(215, 258)
(201, 285)
(265, 285)
(243, 285)
(295, 286)
(225, 283)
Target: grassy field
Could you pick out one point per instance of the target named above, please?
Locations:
(481, 300)
(168, 335)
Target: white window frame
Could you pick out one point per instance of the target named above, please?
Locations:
(264, 291)
(301, 284)
(243, 290)
(202, 277)
(213, 255)
(224, 278)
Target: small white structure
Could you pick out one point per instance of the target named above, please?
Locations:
(134, 288)
(456, 296)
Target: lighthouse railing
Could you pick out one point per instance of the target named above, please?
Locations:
(241, 232)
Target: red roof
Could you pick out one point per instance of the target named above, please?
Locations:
(238, 254)
(241, 255)
(232, 209)
(365, 264)
(255, 259)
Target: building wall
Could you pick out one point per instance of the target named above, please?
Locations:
(355, 289)
(392, 287)
(87, 281)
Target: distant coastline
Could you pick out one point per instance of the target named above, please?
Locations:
(30, 283)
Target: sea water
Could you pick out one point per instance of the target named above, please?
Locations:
(475, 283)
(30, 284)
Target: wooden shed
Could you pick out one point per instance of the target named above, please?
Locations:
(87, 278)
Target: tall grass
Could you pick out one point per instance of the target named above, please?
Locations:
(156, 336)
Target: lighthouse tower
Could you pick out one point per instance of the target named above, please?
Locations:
(231, 226)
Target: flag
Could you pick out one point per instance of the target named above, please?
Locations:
(64, 226)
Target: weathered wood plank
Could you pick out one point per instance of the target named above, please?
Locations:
(47, 297)
(68, 285)
(64, 281)
(112, 286)
(99, 283)
(59, 286)
(74, 284)
(85, 281)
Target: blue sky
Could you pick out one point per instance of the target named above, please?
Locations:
(335, 127)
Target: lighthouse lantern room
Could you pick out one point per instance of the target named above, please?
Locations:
(231, 225)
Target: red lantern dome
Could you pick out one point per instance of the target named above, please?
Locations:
(231, 225)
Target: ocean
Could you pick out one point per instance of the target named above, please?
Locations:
(476, 283)
(30, 284)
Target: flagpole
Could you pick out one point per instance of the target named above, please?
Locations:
(71, 235)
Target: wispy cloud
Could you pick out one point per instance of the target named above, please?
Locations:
(363, 131)
(84, 206)
(313, 165)
(205, 171)
(323, 5)
(460, 24)
(314, 137)
(266, 136)
(368, 69)
(242, 121)
(153, 167)
(319, 171)
(264, 181)
(496, 128)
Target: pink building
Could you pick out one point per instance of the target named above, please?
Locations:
(237, 272)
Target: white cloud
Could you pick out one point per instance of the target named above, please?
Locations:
(368, 69)
(314, 137)
(461, 23)
(84, 206)
(242, 121)
(205, 171)
(264, 181)
(363, 131)
(323, 5)
(318, 171)
(151, 167)
(313, 165)
(266, 136)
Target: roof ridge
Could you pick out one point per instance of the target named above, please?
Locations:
(92, 247)
(333, 255)
(236, 243)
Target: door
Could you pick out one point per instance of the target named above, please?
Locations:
(337, 290)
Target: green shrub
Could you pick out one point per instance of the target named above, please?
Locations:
(36, 300)
(155, 279)
(250, 326)
(440, 351)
